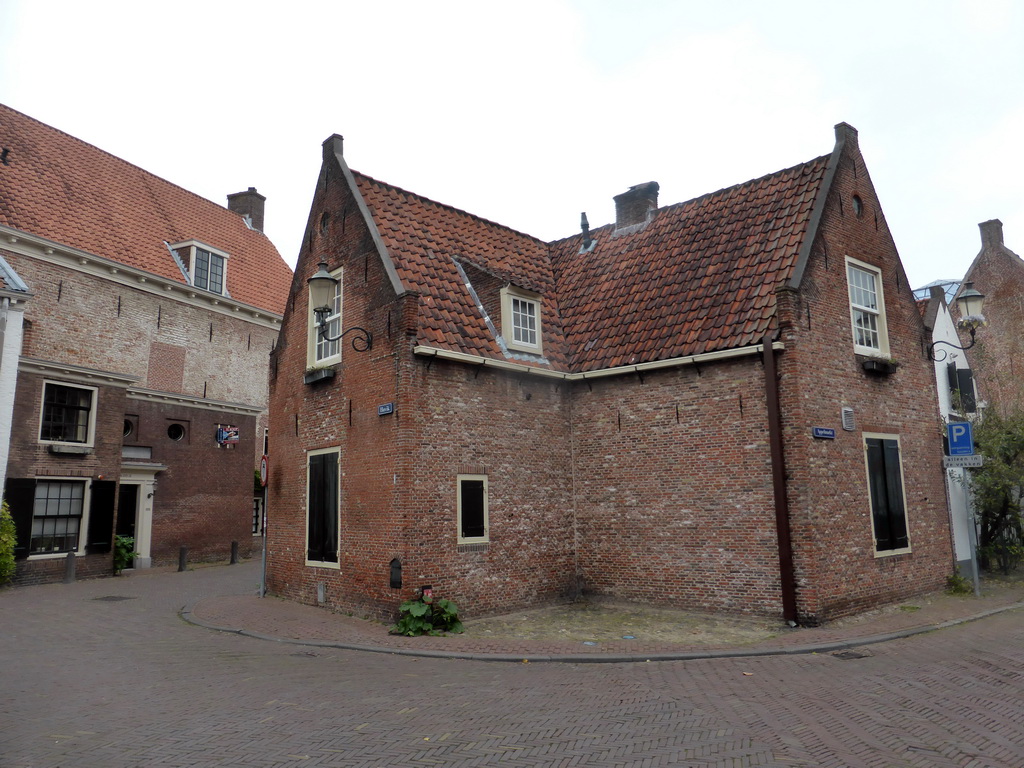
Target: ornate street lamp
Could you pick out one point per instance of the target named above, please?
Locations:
(969, 302)
(321, 293)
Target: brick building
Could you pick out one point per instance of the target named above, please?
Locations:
(998, 273)
(140, 402)
(724, 404)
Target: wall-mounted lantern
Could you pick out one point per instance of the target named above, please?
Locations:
(322, 286)
(969, 302)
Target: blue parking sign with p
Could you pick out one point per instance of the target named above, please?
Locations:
(961, 441)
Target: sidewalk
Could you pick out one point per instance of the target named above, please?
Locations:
(599, 631)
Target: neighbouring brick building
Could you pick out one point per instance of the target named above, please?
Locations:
(141, 392)
(998, 355)
(724, 404)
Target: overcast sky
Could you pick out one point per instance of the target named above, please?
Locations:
(528, 113)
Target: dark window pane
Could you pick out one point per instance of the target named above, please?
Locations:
(65, 414)
(886, 488)
(965, 383)
(322, 531)
(472, 499)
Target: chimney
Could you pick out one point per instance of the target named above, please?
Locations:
(636, 205)
(991, 233)
(249, 204)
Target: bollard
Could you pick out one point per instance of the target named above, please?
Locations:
(69, 568)
(183, 559)
(234, 552)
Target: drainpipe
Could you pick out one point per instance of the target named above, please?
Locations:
(786, 574)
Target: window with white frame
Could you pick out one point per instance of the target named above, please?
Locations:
(67, 414)
(57, 514)
(472, 509)
(206, 266)
(322, 507)
(521, 320)
(867, 308)
(321, 351)
(885, 486)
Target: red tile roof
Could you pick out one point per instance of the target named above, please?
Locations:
(62, 189)
(699, 277)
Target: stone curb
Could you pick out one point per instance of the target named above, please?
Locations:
(186, 614)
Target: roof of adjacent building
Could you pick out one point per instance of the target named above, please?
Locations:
(698, 277)
(55, 186)
(9, 279)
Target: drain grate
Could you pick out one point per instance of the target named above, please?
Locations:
(113, 598)
(848, 655)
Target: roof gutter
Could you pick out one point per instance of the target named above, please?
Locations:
(674, 362)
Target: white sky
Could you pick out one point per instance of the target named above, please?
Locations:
(527, 113)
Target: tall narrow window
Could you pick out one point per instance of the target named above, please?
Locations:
(322, 507)
(885, 483)
(66, 414)
(472, 503)
(867, 309)
(321, 351)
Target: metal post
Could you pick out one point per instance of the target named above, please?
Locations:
(69, 568)
(234, 553)
(972, 535)
(183, 559)
(263, 571)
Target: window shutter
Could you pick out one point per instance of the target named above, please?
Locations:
(879, 495)
(314, 537)
(330, 545)
(965, 383)
(101, 517)
(954, 385)
(20, 495)
(894, 487)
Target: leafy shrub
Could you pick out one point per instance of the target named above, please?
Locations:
(124, 552)
(958, 585)
(8, 538)
(426, 616)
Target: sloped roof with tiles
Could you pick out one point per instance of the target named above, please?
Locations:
(57, 187)
(698, 277)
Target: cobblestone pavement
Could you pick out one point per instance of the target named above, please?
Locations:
(105, 673)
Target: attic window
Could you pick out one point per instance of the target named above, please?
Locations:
(858, 206)
(207, 267)
(521, 320)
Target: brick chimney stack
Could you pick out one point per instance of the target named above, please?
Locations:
(991, 233)
(636, 205)
(249, 203)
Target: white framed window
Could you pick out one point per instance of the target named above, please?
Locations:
(59, 517)
(323, 507)
(521, 324)
(321, 351)
(885, 492)
(472, 509)
(207, 267)
(867, 308)
(67, 414)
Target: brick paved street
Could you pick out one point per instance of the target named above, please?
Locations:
(104, 673)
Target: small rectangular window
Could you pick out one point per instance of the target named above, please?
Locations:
(208, 272)
(961, 389)
(885, 485)
(66, 414)
(867, 309)
(521, 324)
(472, 508)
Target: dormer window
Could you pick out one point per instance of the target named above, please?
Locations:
(521, 320)
(205, 267)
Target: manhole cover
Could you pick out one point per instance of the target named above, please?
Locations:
(847, 655)
(113, 598)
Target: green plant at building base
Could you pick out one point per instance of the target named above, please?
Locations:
(426, 616)
(124, 552)
(8, 538)
(958, 585)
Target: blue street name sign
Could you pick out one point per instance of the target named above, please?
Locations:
(961, 440)
(824, 433)
(384, 410)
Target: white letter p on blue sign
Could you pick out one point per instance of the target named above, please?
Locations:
(961, 440)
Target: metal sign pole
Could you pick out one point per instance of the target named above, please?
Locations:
(972, 536)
